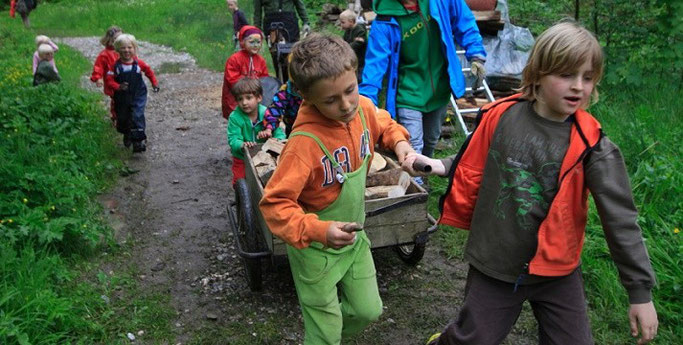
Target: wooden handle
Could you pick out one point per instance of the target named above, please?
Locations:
(421, 166)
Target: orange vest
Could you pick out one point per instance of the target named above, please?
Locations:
(562, 232)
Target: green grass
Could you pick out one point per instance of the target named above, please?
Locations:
(202, 28)
(58, 152)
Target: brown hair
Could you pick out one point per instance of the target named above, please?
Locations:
(247, 86)
(563, 47)
(109, 36)
(320, 56)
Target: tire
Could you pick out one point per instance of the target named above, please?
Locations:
(411, 253)
(246, 222)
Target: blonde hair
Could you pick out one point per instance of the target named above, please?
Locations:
(42, 39)
(232, 2)
(45, 48)
(109, 36)
(348, 15)
(123, 39)
(320, 56)
(563, 47)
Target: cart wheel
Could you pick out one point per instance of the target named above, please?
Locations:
(411, 253)
(248, 228)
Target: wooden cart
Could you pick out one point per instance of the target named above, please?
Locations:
(399, 222)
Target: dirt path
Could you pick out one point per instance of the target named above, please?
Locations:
(172, 214)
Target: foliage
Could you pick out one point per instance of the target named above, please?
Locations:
(202, 28)
(57, 153)
(641, 38)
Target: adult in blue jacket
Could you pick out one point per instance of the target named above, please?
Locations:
(414, 41)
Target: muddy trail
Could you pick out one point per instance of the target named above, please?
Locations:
(169, 212)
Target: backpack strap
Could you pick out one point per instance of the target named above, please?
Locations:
(480, 115)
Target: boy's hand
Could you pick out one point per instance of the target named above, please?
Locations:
(402, 149)
(645, 316)
(341, 234)
(409, 165)
(123, 86)
(99, 83)
(248, 144)
(265, 134)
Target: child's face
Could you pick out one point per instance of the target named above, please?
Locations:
(232, 5)
(252, 43)
(249, 102)
(47, 56)
(336, 98)
(346, 23)
(127, 51)
(560, 95)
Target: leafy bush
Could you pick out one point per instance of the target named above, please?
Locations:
(56, 155)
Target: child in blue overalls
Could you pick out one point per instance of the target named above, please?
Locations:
(130, 92)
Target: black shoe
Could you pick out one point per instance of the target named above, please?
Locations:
(126, 140)
(139, 146)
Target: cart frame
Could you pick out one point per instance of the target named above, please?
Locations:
(399, 222)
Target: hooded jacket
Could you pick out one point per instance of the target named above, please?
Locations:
(237, 66)
(561, 234)
(104, 62)
(303, 182)
(241, 129)
(456, 24)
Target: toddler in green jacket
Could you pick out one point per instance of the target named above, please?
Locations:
(245, 125)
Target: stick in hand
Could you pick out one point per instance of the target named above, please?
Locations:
(351, 227)
(422, 167)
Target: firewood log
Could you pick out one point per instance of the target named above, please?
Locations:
(378, 192)
(389, 177)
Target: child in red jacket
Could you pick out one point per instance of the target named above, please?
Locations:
(130, 92)
(104, 62)
(245, 63)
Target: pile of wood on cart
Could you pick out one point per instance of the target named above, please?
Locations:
(385, 180)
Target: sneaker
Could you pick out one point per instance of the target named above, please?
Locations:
(434, 339)
(126, 140)
(139, 146)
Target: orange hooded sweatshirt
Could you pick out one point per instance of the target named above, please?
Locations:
(304, 183)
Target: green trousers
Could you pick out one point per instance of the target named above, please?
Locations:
(328, 315)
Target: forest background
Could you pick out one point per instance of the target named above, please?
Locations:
(58, 154)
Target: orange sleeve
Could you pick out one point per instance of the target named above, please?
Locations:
(286, 219)
(387, 131)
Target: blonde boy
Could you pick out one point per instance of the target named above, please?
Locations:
(521, 184)
(315, 199)
(45, 72)
(356, 36)
(40, 40)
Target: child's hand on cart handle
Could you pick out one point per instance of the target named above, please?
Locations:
(416, 165)
(249, 144)
(265, 134)
(402, 149)
(341, 234)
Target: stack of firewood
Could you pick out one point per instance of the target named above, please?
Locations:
(383, 181)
